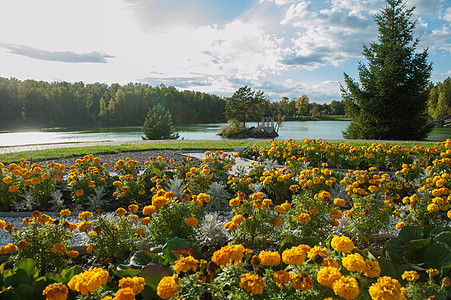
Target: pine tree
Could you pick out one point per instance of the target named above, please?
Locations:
(158, 124)
(391, 100)
(244, 105)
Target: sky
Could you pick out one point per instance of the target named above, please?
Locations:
(285, 48)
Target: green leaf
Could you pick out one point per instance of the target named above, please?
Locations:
(26, 291)
(394, 249)
(175, 244)
(140, 259)
(67, 274)
(149, 294)
(409, 233)
(54, 277)
(310, 240)
(444, 237)
(288, 242)
(29, 266)
(9, 295)
(438, 255)
(19, 276)
(387, 268)
(129, 272)
(438, 230)
(152, 274)
(414, 249)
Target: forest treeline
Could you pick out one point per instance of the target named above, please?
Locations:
(33, 103)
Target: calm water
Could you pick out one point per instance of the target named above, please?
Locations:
(292, 129)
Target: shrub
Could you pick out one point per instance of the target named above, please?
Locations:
(158, 125)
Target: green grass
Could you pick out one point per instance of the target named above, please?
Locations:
(38, 155)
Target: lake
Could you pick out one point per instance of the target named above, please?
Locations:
(292, 129)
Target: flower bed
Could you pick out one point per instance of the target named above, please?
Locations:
(304, 230)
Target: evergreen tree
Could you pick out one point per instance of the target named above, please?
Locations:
(244, 105)
(391, 100)
(158, 124)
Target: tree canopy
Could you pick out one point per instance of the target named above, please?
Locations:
(390, 101)
(158, 124)
(245, 105)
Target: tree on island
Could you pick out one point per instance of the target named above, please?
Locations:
(158, 124)
(391, 100)
(244, 105)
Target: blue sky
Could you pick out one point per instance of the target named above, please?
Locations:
(282, 47)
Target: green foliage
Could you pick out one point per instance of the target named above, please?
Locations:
(36, 240)
(244, 105)
(158, 125)
(114, 237)
(390, 102)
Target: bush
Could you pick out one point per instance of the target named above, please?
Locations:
(158, 124)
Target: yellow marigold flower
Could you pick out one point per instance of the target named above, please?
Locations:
(149, 209)
(8, 249)
(336, 214)
(294, 256)
(303, 218)
(184, 264)
(342, 244)
(329, 262)
(327, 276)
(89, 281)
(301, 281)
(371, 269)
(203, 197)
(432, 272)
(133, 207)
(400, 225)
(191, 222)
(234, 202)
(269, 258)
(228, 254)
(278, 222)
(237, 219)
(354, 262)
(432, 207)
(346, 287)
(7, 179)
(12, 188)
(281, 277)
(121, 212)
(91, 249)
(139, 232)
(386, 288)
(72, 253)
(159, 201)
(136, 284)
(280, 209)
(410, 275)
(72, 226)
(78, 193)
(84, 225)
(123, 294)
(58, 248)
(230, 226)
(317, 251)
(252, 283)
(167, 287)
(65, 213)
(22, 244)
(145, 221)
(56, 291)
(339, 202)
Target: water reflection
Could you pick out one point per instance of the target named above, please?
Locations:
(292, 129)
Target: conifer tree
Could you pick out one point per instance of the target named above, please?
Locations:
(158, 124)
(391, 100)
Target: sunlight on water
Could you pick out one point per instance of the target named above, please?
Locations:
(289, 130)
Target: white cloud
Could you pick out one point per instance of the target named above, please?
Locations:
(447, 14)
(278, 2)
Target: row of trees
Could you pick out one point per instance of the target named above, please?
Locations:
(439, 102)
(43, 104)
